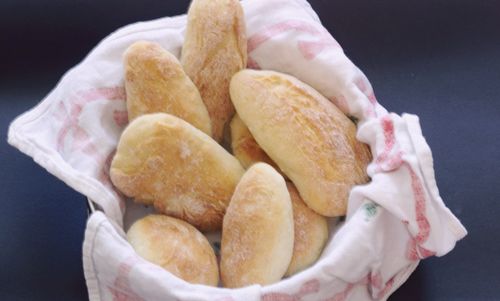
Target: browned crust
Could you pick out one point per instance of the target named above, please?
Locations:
(177, 247)
(155, 82)
(257, 234)
(311, 233)
(244, 146)
(307, 136)
(163, 160)
(215, 48)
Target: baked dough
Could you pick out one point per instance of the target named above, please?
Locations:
(307, 136)
(176, 246)
(165, 161)
(155, 82)
(244, 146)
(215, 48)
(311, 233)
(257, 233)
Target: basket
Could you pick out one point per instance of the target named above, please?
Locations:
(392, 222)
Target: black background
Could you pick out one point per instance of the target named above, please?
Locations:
(437, 59)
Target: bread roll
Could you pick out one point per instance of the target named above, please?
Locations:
(165, 161)
(309, 138)
(257, 233)
(176, 246)
(215, 48)
(244, 146)
(311, 233)
(155, 82)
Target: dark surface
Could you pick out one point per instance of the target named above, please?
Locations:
(437, 59)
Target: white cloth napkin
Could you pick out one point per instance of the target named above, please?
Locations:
(392, 222)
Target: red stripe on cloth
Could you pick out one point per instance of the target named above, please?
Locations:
(110, 93)
(411, 252)
(372, 99)
(418, 193)
(375, 280)
(386, 289)
(307, 288)
(342, 296)
(415, 250)
(310, 49)
(120, 117)
(252, 64)
(71, 125)
(278, 297)
(364, 86)
(271, 31)
(121, 290)
(424, 253)
(389, 137)
(385, 161)
(341, 103)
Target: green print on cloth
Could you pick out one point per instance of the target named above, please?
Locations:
(370, 210)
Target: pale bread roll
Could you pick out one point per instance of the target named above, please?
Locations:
(311, 233)
(257, 233)
(307, 136)
(165, 161)
(244, 146)
(176, 246)
(155, 82)
(215, 48)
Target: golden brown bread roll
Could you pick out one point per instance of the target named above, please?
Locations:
(311, 233)
(257, 233)
(176, 246)
(155, 82)
(165, 161)
(307, 136)
(244, 146)
(215, 48)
